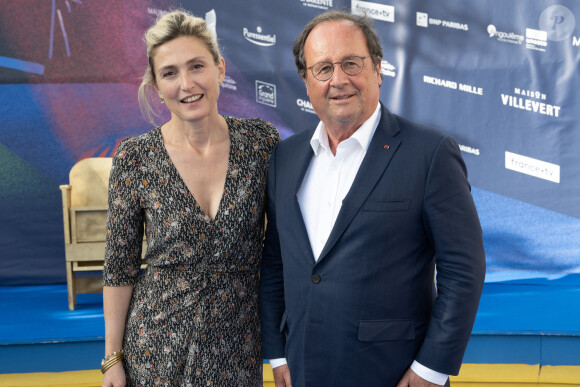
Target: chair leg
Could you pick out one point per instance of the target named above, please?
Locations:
(70, 286)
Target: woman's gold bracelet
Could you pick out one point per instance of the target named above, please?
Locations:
(110, 362)
(111, 359)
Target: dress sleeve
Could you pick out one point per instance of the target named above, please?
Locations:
(270, 135)
(125, 218)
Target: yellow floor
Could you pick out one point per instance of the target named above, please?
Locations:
(496, 375)
(516, 375)
(471, 375)
(53, 379)
(561, 376)
(91, 378)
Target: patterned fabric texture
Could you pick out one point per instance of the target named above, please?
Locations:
(194, 314)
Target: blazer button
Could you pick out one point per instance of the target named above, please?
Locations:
(315, 278)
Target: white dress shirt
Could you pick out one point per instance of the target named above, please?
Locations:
(326, 183)
(329, 178)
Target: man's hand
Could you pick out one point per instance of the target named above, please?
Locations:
(411, 379)
(282, 376)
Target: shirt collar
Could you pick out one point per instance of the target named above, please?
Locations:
(362, 135)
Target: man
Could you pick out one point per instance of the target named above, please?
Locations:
(360, 209)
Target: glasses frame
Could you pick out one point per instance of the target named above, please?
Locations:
(362, 58)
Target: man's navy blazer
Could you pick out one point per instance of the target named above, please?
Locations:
(368, 307)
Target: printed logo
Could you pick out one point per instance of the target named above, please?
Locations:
(468, 149)
(373, 10)
(229, 83)
(531, 101)
(506, 37)
(266, 93)
(387, 69)
(452, 85)
(156, 11)
(575, 41)
(259, 38)
(211, 22)
(536, 39)
(305, 106)
(320, 4)
(532, 167)
(422, 19)
(558, 21)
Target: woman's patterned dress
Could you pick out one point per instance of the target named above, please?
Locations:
(193, 318)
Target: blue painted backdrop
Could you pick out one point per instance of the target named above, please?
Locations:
(500, 76)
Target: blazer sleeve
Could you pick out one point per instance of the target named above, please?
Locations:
(452, 224)
(271, 276)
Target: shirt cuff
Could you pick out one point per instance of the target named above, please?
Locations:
(278, 362)
(428, 374)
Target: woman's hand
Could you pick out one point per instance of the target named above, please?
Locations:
(115, 376)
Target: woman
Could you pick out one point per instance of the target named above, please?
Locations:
(196, 187)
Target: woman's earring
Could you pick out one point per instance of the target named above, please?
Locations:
(162, 100)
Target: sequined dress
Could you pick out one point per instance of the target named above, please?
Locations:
(193, 318)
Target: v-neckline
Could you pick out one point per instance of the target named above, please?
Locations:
(182, 182)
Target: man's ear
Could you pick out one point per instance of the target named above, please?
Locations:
(306, 84)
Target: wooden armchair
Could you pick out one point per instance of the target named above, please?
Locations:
(84, 214)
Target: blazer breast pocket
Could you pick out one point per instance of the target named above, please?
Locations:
(386, 330)
(387, 205)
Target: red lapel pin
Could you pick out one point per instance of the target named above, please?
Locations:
(386, 147)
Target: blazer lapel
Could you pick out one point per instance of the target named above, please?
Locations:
(302, 155)
(380, 152)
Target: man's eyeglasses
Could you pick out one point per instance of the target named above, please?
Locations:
(351, 65)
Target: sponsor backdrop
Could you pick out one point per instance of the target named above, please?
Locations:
(501, 77)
